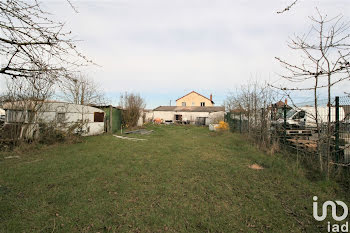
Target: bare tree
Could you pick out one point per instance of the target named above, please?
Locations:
(31, 44)
(82, 90)
(325, 54)
(251, 101)
(32, 89)
(132, 105)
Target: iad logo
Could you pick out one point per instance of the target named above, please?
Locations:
(334, 210)
(333, 205)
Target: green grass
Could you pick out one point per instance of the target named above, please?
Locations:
(182, 179)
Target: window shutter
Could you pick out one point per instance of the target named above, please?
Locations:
(98, 117)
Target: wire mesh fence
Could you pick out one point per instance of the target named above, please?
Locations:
(317, 131)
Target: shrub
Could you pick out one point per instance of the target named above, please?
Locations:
(49, 134)
(222, 126)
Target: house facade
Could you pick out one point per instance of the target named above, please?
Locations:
(189, 115)
(194, 99)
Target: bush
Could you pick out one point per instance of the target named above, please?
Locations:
(49, 134)
(132, 105)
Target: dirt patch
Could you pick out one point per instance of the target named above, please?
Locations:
(256, 166)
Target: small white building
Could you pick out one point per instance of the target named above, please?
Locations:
(30, 114)
(200, 115)
(2, 112)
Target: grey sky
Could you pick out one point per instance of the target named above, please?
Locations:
(165, 48)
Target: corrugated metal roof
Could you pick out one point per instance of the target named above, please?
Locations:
(190, 109)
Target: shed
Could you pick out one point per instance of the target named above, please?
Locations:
(114, 123)
(28, 115)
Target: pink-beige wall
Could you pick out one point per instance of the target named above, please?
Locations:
(193, 99)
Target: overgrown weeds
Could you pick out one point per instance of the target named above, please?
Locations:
(14, 137)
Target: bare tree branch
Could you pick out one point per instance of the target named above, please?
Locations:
(31, 43)
(287, 8)
(80, 89)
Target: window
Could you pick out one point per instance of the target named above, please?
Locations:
(30, 116)
(16, 116)
(178, 117)
(98, 116)
(193, 103)
(61, 117)
(202, 104)
(290, 113)
(300, 115)
(183, 104)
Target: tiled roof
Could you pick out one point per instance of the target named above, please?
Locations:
(190, 109)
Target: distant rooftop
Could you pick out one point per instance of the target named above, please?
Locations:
(190, 108)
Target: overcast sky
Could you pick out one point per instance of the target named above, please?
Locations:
(163, 49)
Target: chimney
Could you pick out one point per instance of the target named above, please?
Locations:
(211, 97)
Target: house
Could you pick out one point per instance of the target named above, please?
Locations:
(27, 116)
(195, 99)
(277, 109)
(280, 105)
(192, 108)
(189, 115)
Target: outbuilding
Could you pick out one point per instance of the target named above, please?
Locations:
(27, 116)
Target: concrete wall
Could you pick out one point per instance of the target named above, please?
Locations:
(193, 99)
(145, 117)
(49, 113)
(149, 116)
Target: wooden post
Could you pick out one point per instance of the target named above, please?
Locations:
(110, 119)
(284, 123)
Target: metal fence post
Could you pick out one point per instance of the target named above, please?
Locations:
(337, 129)
(110, 119)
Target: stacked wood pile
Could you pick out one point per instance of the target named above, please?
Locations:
(309, 145)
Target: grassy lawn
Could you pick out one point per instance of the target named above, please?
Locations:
(182, 179)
